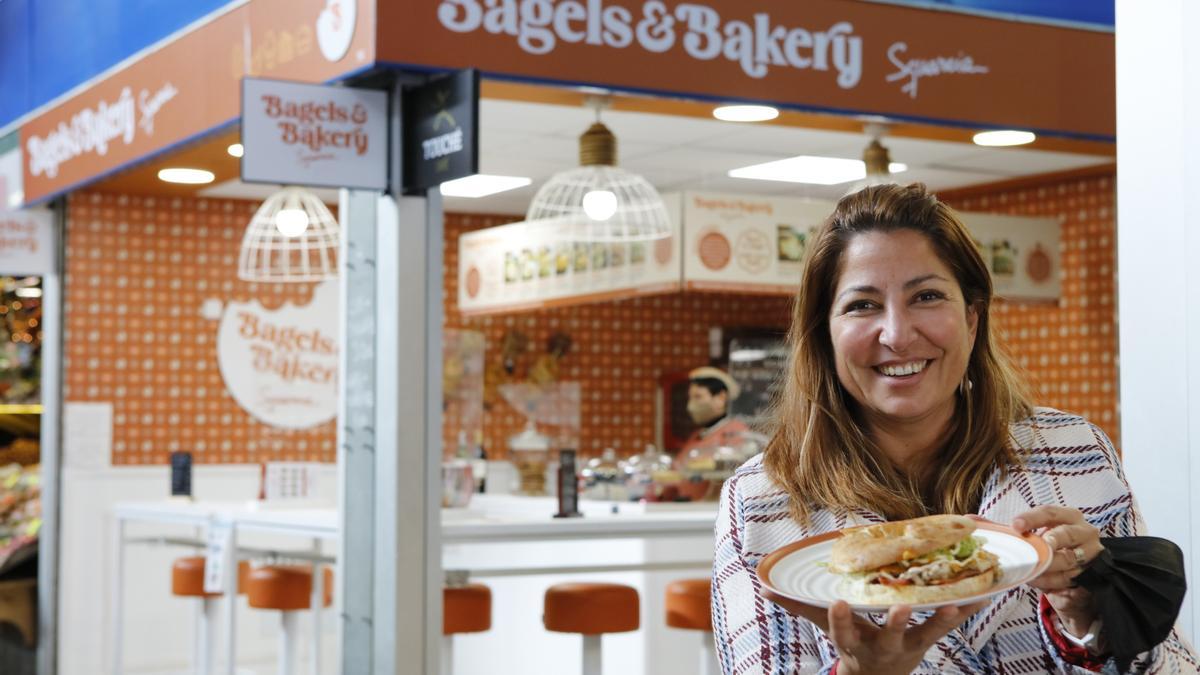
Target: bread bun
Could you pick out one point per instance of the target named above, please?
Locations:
(872, 546)
(879, 594)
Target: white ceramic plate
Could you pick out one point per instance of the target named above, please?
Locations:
(797, 573)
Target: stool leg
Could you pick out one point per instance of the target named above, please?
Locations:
(591, 655)
(317, 602)
(289, 632)
(206, 626)
(198, 637)
(447, 655)
(708, 655)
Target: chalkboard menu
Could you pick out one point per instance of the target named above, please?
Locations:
(568, 486)
(757, 364)
(181, 474)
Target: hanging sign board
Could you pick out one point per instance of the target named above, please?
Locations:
(535, 266)
(26, 242)
(280, 365)
(310, 134)
(26, 237)
(441, 130)
(747, 243)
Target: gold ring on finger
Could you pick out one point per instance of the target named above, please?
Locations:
(1080, 558)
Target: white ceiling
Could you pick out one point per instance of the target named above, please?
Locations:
(687, 153)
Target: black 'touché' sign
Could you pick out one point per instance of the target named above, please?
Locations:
(441, 130)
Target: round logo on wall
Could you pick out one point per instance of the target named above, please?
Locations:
(281, 365)
(1038, 264)
(335, 28)
(715, 251)
(473, 282)
(754, 251)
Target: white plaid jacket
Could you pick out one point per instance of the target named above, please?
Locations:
(1066, 461)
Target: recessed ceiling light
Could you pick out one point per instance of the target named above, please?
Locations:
(236, 150)
(745, 113)
(186, 176)
(1003, 138)
(15, 199)
(482, 185)
(810, 169)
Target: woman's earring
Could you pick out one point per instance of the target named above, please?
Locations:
(965, 385)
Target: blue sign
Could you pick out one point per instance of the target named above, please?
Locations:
(48, 47)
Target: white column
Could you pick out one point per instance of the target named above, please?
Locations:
(1158, 258)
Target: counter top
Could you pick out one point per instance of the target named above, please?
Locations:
(489, 518)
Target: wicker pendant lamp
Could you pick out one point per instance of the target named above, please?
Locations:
(876, 158)
(599, 201)
(292, 238)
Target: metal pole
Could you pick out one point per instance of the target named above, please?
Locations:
(408, 459)
(51, 451)
(356, 431)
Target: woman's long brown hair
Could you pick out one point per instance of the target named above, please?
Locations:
(819, 452)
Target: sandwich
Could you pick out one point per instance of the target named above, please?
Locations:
(916, 561)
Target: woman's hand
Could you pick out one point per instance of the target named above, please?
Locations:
(864, 647)
(1073, 544)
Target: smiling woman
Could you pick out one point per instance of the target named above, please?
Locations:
(897, 404)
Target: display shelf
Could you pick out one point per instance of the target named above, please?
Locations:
(20, 408)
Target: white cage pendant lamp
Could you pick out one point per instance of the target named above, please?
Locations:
(599, 201)
(292, 238)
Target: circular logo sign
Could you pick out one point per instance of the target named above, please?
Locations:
(754, 251)
(335, 28)
(473, 282)
(281, 365)
(1038, 265)
(715, 251)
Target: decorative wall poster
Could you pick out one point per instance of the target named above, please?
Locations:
(743, 243)
(281, 365)
(1021, 252)
(532, 266)
(746, 243)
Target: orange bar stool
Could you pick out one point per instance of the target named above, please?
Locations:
(187, 581)
(288, 589)
(689, 606)
(591, 610)
(466, 608)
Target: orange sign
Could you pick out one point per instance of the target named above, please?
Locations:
(190, 86)
(816, 54)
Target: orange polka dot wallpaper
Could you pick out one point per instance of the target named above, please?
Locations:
(139, 270)
(138, 273)
(1069, 351)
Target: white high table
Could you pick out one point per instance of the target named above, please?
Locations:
(491, 519)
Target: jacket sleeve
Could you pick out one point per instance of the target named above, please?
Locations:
(754, 636)
(1174, 656)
